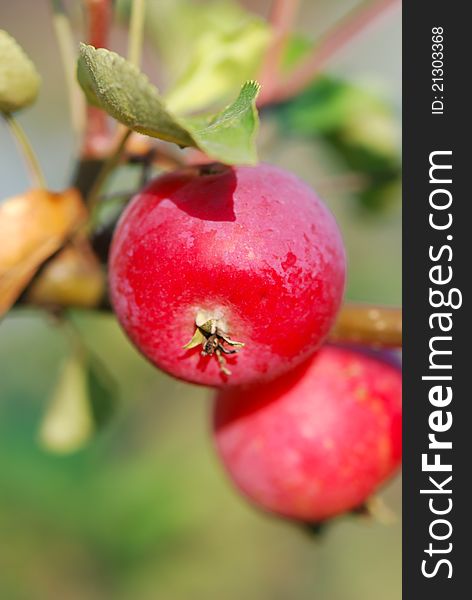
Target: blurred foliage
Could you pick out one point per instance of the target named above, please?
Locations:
(144, 512)
(220, 60)
(82, 402)
(68, 424)
(296, 48)
(19, 79)
(74, 277)
(357, 124)
(208, 48)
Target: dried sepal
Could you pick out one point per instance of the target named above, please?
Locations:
(209, 333)
(197, 339)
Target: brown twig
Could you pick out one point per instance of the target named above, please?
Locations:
(282, 18)
(97, 133)
(365, 325)
(375, 326)
(328, 46)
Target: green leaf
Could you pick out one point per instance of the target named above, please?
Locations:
(216, 40)
(221, 59)
(86, 83)
(360, 128)
(125, 93)
(19, 80)
(230, 134)
(332, 106)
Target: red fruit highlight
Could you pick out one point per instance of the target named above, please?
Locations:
(247, 258)
(317, 442)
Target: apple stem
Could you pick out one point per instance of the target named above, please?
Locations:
(29, 154)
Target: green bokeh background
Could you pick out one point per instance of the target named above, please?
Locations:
(145, 511)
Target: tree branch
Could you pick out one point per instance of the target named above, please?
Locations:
(365, 325)
(376, 326)
(282, 18)
(328, 46)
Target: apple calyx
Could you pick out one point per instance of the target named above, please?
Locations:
(211, 335)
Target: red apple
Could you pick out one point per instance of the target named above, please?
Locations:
(247, 258)
(318, 442)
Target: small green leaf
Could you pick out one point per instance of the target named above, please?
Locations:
(86, 83)
(19, 80)
(119, 87)
(125, 93)
(230, 134)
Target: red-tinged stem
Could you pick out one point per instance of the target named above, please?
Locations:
(282, 18)
(99, 14)
(97, 132)
(114, 156)
(329, 45)
(375, 326)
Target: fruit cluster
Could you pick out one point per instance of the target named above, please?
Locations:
(232, 277)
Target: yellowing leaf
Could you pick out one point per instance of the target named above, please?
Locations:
(19, 80)
(72, 278)
(33, 226)
(68, 422)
